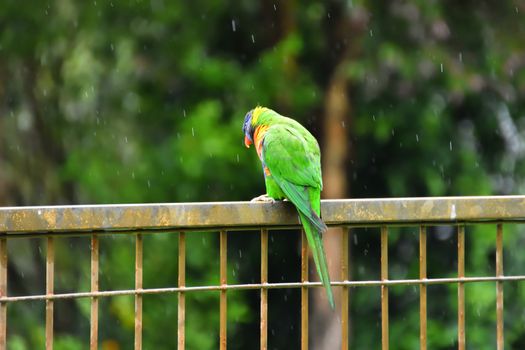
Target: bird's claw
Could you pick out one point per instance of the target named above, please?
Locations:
(264, 198)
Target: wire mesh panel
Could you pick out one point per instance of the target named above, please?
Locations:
(385, 216)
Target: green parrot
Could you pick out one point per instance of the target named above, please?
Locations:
(291, 163)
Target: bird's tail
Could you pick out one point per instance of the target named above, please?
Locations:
(313, 235)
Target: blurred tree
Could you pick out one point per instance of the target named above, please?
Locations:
(143, 101)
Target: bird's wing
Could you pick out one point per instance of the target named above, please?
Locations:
(294, 163)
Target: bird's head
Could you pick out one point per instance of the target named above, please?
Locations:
(248, 129)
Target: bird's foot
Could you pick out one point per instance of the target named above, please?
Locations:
(264, 198)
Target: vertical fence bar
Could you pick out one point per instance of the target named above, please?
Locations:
(181, 311)
(422, 288)
(461, 288)
(304, 292)
(499, 287)
(224, 282)
(344, 290)
(50, 278)
(93, 335)
(264, 291)
(384, 288)
(138, 287)
(3, 292)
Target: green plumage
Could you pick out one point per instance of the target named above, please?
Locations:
(293, 161)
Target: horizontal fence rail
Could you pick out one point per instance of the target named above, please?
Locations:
(259, 218)
(235, 215)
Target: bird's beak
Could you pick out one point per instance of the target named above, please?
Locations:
(247, 141)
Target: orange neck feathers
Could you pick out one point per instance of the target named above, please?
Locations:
(258, 137)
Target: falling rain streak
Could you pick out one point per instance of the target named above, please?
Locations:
(233, 25)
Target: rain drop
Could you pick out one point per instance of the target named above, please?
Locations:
(233, 25)
(417, 138)
(371, 32)
(355, 239)
(460, 57)
(240, 253)
(149, 183)
(184, 113)
(237, 157)
(441, 67)
(192, 132)
(343, 124)
(374, 117)
(253, 39)
(126, 139)
(450, 145)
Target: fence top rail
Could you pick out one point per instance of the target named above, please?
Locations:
(234, 215)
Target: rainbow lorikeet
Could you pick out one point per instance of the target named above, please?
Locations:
(291, 163)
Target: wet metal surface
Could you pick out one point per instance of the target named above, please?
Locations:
(247, 214)
(222, 216)
(50, 282)
(3, 293)
(384, 289)
(345, 300)
(264, 292)
(500, 342)
(223, 266)
(93, 337)
(422, 288)
(461, 288)
(181, 308)
(304, 292)
(138, 286)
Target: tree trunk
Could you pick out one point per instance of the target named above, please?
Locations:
(337, 121)
(326, 329)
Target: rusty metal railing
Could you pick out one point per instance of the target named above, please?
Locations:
(137, 220)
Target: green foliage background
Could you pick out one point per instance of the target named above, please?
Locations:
(142, 101)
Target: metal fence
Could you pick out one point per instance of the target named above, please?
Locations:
(137, 220)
